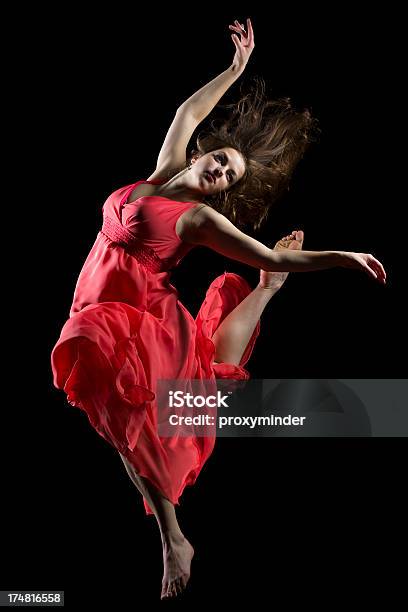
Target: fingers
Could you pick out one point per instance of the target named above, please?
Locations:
(236, 41)
(374, 268)
(250, 31)
(378, 268)
(246, 37)
(235, 37)
(238, 27)
(370, 272)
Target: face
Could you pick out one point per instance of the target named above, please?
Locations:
(218, 170)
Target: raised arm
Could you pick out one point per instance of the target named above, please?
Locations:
(196, 108)
(210, 228)
(204, 100)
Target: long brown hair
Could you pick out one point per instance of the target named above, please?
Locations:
(272, 137)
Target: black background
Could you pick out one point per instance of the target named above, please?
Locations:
(99, 93)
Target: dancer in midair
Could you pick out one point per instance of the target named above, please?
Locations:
(127, 328)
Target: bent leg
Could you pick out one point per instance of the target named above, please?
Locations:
(235, 331)
(233, 334)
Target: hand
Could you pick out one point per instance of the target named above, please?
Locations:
(367, 263)
(244, 45)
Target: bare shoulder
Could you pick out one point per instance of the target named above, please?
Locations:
(204, 215)
(207, 219)
(197, 221)
(190, 221)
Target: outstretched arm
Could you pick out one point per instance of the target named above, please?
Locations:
(210, 228)
(196, 108)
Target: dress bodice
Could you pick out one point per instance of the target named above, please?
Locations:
(134, 252)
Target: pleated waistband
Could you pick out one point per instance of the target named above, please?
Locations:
(144, 254)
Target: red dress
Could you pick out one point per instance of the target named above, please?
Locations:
(127, 328)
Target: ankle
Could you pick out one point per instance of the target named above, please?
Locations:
(268, 291)
(170, 538)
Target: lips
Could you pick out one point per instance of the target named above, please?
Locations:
(210, 176)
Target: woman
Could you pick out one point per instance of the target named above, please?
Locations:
(127, 328)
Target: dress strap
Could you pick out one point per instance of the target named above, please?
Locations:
(128, 191)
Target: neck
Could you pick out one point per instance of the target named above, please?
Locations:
(179, 188)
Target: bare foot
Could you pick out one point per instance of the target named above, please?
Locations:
(177, 555)
(275, 280)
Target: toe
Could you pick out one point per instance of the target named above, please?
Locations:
(167, 590)
(183, 581)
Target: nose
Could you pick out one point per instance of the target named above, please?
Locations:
(218, 172)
